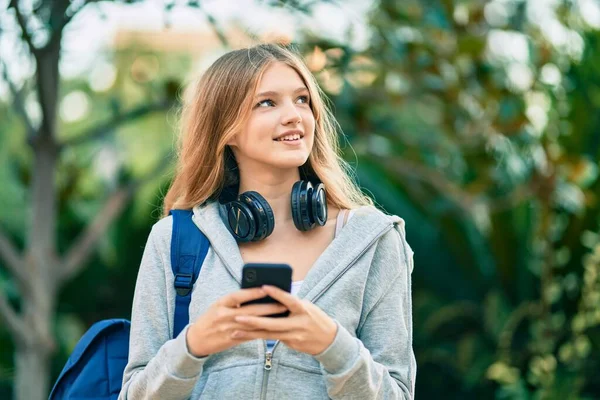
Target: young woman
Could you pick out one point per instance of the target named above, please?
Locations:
(257, 127)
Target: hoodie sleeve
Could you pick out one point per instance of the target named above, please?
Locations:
(379, 363)
(158, 367)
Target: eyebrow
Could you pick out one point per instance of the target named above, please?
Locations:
(274, 93)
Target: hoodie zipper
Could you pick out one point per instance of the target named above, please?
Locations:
(268, 359)
(269, 354)
(267, 367)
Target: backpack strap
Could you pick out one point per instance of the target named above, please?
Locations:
(189, 247)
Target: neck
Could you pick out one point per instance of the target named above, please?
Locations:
(275, 187)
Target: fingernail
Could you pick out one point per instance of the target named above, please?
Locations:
(241, 318)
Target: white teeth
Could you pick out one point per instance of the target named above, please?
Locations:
(289, 138)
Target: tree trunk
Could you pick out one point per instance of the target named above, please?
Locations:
(41, 273)
(34, 352)
(32, 373)
(32, 360)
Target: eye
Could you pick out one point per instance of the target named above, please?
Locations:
(265, 103)
(303, 99)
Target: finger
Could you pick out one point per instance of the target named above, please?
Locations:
(241, 296)
(261, 309)
(235, 326)
(266, 323)
(261, 334)
(293, 303)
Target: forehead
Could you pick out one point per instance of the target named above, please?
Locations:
(280, 77)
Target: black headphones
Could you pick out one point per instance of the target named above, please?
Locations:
(249, 217)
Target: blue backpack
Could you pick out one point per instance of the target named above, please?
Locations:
(95, 368)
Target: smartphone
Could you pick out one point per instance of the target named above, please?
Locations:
(259, 274)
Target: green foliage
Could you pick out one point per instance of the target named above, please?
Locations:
(448, 136)
(494, 171)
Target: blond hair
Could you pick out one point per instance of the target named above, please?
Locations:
(218, 108)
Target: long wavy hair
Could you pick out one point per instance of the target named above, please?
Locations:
(219, 105)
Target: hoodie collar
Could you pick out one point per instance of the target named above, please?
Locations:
(208, 219)
(363, 230)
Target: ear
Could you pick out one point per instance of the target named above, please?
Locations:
(233, 141)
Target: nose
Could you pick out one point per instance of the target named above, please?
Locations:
(290, 114)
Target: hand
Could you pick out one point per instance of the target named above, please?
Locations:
(211, 332)
(307, 329)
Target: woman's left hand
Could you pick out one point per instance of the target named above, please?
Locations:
(307, 329)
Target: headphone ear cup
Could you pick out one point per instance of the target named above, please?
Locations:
(300, 206)
(294, 204)
(263, 214)
(240, 221)
(318, 205)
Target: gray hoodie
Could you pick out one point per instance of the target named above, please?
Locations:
(362, 280)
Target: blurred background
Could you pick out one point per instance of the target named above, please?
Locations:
(475, 121)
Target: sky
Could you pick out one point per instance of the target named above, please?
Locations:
(92, 30)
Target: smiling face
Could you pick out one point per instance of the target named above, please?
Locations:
(280, 130)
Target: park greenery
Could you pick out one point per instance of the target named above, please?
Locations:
(475, 121)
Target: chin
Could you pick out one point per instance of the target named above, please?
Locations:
(289, 162)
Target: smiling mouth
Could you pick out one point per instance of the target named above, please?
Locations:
(291, 138)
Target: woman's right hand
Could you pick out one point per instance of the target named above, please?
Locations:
(211, 332)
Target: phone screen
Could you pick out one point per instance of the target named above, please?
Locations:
(259, 274)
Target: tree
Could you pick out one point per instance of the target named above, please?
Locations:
(37, 269)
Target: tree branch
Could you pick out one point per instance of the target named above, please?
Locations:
(66, 18)
(425, 174)
(11, 257)
(106, 128)
(463, 200)
(60, 17)
(23, 24)
(15, 325)
(216, 29)
(81, 250)
(18, 100)
(211, 21)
